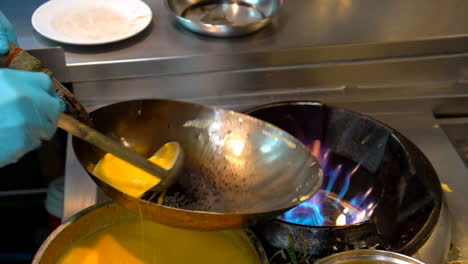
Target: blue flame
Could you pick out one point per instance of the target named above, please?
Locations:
(347, 182)
(333, 176)
(311, 212)
(359, 199)
(306, 214)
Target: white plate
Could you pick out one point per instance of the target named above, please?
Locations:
(91, 22)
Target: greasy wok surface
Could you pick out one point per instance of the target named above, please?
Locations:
(238, 170)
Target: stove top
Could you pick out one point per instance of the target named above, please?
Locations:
(421, 128)
(379, 190)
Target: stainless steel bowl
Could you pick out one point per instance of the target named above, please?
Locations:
(223, 18)
(368, 256)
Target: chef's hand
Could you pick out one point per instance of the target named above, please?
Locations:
(29, 107)
(29, 110)
(7, 34)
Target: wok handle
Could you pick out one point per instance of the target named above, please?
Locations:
(108, 145)
(19, 59)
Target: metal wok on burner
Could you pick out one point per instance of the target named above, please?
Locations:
(238, 169)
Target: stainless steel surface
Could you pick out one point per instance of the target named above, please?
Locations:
(458, 134)
(96, 217)
(305, 32)
(220, 18)
(80, 190)
(424, 131)
(104, 143)
(54, 59)
(368, 256)
(430, 79)
(435, 249)
(233, 162)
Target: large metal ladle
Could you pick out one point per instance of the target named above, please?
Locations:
(108, 145)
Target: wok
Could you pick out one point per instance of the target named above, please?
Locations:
(238, 169)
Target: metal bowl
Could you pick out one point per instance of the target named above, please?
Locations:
(368, 256)
(223, 18)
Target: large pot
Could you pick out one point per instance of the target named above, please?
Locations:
(97, 217)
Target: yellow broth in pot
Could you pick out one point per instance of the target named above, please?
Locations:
(138, 242)
(110, 234)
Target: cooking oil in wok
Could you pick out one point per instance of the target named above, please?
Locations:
(124, 242)
(195, 190)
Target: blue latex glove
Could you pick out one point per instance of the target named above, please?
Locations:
(29, 110)
(6, 34)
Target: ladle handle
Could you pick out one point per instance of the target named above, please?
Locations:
(94, 137)
(19, 59)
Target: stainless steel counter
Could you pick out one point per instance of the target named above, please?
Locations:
(305, 32)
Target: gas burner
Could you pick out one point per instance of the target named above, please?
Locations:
(328, 209)
(379, 191)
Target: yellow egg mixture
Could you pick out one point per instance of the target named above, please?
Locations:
(134, 241)
(129, 179)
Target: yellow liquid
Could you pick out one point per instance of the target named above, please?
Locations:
(122, 242)
(129, 179)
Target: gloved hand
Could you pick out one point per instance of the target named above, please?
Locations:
(6, 34)
(29, 110)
